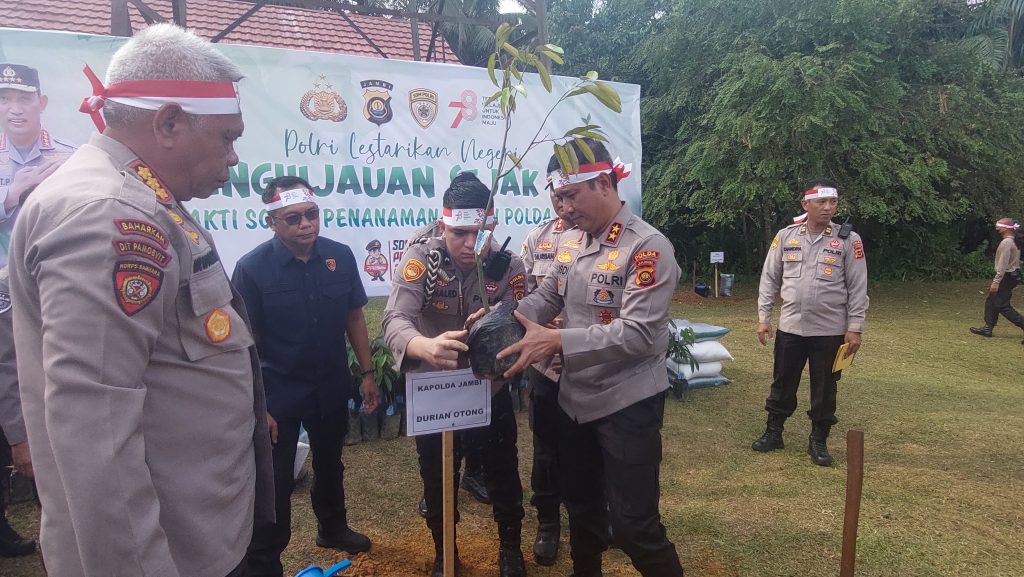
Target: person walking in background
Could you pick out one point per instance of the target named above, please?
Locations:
(1000, 292)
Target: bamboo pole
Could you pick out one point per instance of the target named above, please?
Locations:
(854, 484)
(448, 478)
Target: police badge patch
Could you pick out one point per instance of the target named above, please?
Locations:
(423, 105)
(5, 302)
(136, 284)
(377, 96)
(332, 264)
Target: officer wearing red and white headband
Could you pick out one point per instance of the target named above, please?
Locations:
(436, 288)
(822, 276)
(304, 296)
(1000, 292)
(145, 417)
(612, 281)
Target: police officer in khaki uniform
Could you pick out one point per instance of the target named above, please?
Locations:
(612, 281)
(140, 384)
(436, 289)
(538, 257)
(12, 427)
(820, 272)
(1000, 292)
(28, 153)
(473, 477)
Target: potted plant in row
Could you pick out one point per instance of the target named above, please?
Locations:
(386, 421)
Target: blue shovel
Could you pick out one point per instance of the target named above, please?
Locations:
(315, 571)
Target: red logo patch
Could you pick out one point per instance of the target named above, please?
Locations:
(136, 284)
(491, 287)
(835, 243)
(606, 316)
(858, 249)
(332, 264)
(645, 276)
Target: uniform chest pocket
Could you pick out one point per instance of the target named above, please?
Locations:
(337, 292)
(282, 297)
(792, 263)
(207, 323)
(604, 296)
(829, 268)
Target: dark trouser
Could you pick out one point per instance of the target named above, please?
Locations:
(618, 457)
(241, 571)
(5, 475)
(792, 353)
(544, 422)
(473, 452)
(500, 462)
(999, 303)
(326, 439)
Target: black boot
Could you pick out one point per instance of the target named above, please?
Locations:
(347, 540)
(985, 331)
(438, 569)
(473, 483)
(510, 554)
(816, 446)
(545, 546)
(11, 543)
(771, 440)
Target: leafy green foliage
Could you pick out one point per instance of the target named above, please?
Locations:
(391, 383)
(679, 345)
(747, 101)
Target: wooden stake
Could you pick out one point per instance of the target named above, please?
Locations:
(448, 478)
(716, 280)
(854, 484)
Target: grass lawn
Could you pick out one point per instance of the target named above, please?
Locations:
(943, 415)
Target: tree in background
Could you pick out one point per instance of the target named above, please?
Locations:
(996, 33)
(748, 100)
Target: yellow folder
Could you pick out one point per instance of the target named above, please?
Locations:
(840, 363)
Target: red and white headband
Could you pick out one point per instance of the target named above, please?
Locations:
(558, 179)
(1014, 226)
(194, 96)
(823, 192)
(810, 194)
(467, 216)
(290, 197)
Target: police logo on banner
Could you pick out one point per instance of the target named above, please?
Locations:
(322, 103)
(377, 95)
(423, 105)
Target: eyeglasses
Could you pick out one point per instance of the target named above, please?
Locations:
(312, 215)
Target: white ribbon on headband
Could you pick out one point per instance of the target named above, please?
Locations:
(467, 216)
(558, 179)
(823, 192)
(290, 197)
(1014, 226)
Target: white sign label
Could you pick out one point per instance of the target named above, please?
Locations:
(447, 401)
(717, 257)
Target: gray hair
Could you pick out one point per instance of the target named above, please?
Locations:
(164, 52)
